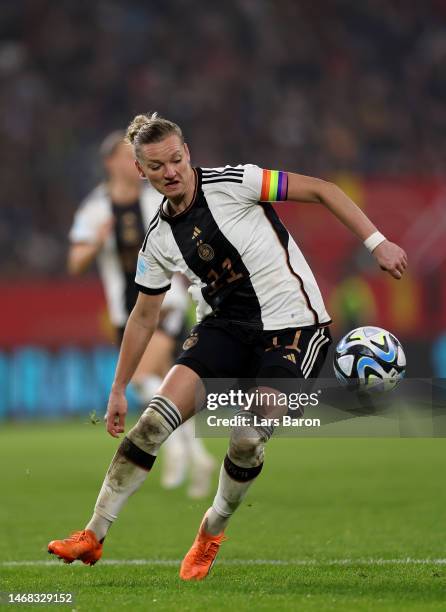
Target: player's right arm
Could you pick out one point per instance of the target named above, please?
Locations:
(140, 327)
(92, 226)
(82, 254)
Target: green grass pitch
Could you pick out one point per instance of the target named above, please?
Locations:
(340, 516)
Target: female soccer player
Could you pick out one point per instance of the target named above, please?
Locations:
(262, 316)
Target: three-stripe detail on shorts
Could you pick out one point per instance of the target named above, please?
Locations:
(317, 340)
(166, 409)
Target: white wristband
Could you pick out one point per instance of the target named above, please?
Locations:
(373, 241)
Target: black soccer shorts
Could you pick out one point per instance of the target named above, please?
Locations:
(216, 348)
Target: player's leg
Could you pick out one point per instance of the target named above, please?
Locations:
(182, 451)
(241, 466)
(154, 365)
(245, 456)
(244, 460)
(225, 356)
(174, 403)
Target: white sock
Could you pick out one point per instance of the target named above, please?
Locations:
(215, 523)
(241, 466)
(124, 477)
(230, 494)
(99, 525)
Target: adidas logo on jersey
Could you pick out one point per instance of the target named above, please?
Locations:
(290, 357)
(197, 232)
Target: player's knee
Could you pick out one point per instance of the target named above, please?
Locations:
(155, 425)
(151, 428)
(246, 447)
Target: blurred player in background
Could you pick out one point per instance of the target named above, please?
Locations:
(110, 226)
(263, 317)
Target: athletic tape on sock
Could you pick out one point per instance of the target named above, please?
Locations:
(241, 474)
(136, 455)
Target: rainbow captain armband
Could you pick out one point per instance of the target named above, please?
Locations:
(274, 186)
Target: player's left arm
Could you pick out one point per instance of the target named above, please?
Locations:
(389, 255)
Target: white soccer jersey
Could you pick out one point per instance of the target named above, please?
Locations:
(243, 264)
(93, 212)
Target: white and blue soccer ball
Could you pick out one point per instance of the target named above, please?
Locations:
(369, 359)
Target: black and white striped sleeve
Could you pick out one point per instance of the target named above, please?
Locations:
(242, 182)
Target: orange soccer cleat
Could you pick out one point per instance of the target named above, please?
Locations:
(82, 545)
(199, 560)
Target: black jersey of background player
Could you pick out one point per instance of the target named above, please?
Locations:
(129, 234)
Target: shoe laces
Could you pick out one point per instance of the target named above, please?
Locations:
(206, 551)
(77, 536)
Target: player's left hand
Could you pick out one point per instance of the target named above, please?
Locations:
(391, 258)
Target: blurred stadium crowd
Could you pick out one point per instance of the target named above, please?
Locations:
(311, 86)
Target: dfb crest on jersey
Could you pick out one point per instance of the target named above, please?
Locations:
(206, 252)
(190, 341)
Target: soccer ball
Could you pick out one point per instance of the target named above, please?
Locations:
(369, 359)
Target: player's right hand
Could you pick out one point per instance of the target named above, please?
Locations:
(116, 413)
(391, 258)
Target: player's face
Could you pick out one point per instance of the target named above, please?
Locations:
(166, 165)
(121, 164)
